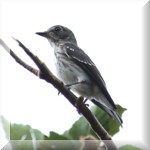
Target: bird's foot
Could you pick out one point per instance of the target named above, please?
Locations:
(84, 101)
(81, 101)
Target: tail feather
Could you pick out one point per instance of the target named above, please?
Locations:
(110, 112)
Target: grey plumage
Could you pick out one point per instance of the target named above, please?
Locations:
(73, 65)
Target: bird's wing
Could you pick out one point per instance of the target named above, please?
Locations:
(89, 67)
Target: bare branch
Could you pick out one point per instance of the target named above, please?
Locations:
(47, 75)
(3, 44)
(18, 60)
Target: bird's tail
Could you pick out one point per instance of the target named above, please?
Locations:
(110, 112)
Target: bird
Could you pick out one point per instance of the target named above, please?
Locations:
(75, 68)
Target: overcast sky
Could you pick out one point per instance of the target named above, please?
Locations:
(110, 33)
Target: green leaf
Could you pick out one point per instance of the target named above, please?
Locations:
(129, 147)
(26, 135)
(110, 124)
(6, 126)
(24, 132)
(55, 136)
(38, 134)
(20, 132)
(80, 128)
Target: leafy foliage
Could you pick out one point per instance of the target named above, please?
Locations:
(6, 126)
(22, 132)
(32, 139)
(79, 128)
(55, 136)
(129, 147)
(82, 128)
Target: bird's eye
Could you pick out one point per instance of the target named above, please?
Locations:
(57, 29)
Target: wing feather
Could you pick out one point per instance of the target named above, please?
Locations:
(82, 59)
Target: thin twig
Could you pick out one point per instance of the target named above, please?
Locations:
(18, 60)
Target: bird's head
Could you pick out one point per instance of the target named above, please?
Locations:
(58, 34)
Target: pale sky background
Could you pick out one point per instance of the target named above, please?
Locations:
(110, 32)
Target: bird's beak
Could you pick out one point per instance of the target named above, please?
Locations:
(44, 34)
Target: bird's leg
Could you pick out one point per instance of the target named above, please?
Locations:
(68, 85)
